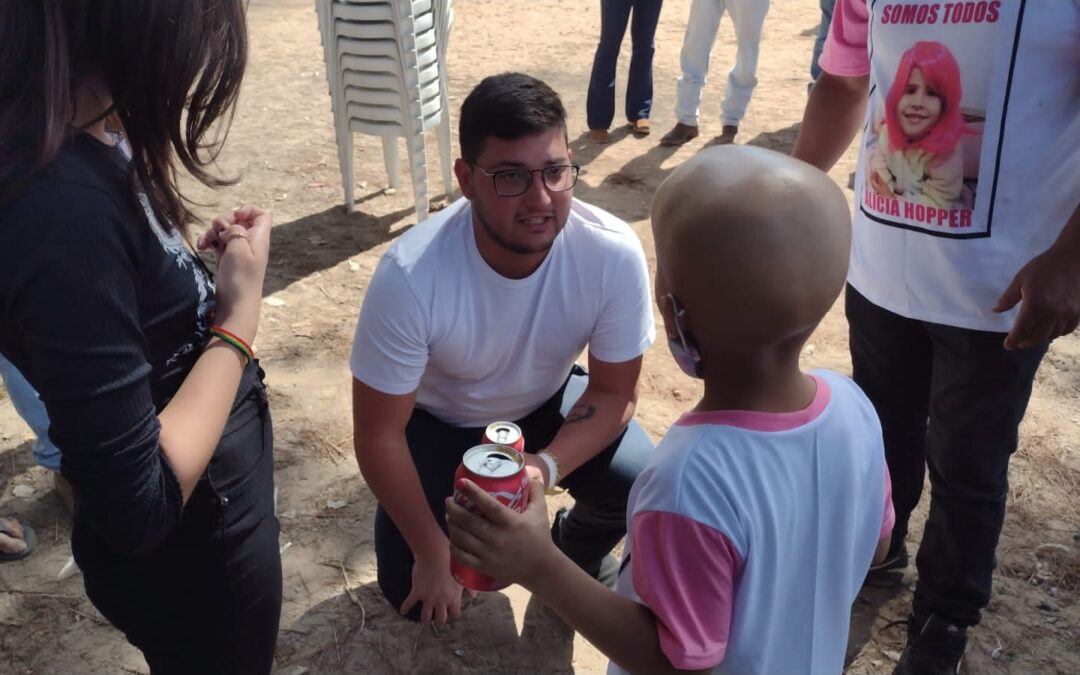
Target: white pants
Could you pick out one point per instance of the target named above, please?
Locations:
(748, 16)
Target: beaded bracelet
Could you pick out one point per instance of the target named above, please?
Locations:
(234, 341)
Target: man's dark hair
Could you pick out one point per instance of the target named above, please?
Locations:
(172, 67)
(507, 106)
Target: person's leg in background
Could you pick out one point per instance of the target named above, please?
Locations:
(979, 393)
(32, 410)
(600, 102)
(748, 17)
(639, 87)
(819, 42)
(701, 28)
(891, 362)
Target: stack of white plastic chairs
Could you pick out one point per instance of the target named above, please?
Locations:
(386, 66)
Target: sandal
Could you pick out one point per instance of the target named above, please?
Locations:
(29, 537)
(640, 127)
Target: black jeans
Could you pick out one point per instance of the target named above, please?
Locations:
(209, 599)
(600, 487)
(950, 399)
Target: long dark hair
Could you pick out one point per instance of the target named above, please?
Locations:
(172, 67)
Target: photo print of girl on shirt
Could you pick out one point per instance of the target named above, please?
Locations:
(931, 149)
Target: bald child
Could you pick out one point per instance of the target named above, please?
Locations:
(750, 532)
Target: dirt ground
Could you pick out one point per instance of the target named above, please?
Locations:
(334, 618)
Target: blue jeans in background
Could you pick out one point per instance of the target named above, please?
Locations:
(823, 32)
(614, 15)
(32, 410)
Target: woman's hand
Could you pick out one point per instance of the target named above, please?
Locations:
(242, 243)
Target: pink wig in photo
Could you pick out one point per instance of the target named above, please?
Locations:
(942, 76)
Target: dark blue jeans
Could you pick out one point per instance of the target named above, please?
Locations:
(614, 15)
(600, 487)
(951, 400)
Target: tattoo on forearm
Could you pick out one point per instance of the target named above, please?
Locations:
(580, 412)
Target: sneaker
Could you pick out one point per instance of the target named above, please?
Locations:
(599, 135)
(890, 571)
(680, 134)
(937, 648)
(640, 128)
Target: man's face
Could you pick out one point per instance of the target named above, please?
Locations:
(527, 223)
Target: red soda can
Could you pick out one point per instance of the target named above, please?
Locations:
(505, 433)
(500, 471)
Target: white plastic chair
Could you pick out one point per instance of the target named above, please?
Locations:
(386, 67)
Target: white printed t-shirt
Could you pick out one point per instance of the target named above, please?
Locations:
(750, 534)
(479, 347)
(1019, 153)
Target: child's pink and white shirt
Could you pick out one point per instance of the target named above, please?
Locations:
(750, 534)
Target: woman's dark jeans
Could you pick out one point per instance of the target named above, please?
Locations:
(614, 15)
(209, 599)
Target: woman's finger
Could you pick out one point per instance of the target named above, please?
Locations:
(233, 233)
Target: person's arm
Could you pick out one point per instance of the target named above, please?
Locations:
(1048, 290)
(390, 354)
(831, 120)
(383, 455)
(837, 101)
(623, 330)
(195, 417)
(597, 418)
(74, 296)
(518, 548)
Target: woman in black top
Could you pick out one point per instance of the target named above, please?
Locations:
(155, 403)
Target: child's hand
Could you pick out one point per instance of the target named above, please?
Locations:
(510, 546)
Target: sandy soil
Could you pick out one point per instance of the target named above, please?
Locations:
(334, 619)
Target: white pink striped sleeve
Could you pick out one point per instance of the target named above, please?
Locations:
(685, 571)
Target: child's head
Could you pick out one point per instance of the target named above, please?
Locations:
(752, 250)
(922, 109)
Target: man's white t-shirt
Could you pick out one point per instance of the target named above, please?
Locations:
(479, 347)
(749, 534)
(1019, 155)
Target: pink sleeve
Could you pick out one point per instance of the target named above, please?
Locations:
(889, 519)
(685, 573)
(845, 53)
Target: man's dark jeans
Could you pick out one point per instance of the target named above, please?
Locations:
(600, 487)
(950, 399)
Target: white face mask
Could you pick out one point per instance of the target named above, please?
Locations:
(685, 354)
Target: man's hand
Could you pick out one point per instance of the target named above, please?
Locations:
(536, 469)
(509, 546)
(433, 587)
(1048, 290)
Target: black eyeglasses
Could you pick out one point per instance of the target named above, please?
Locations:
(514, 182)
